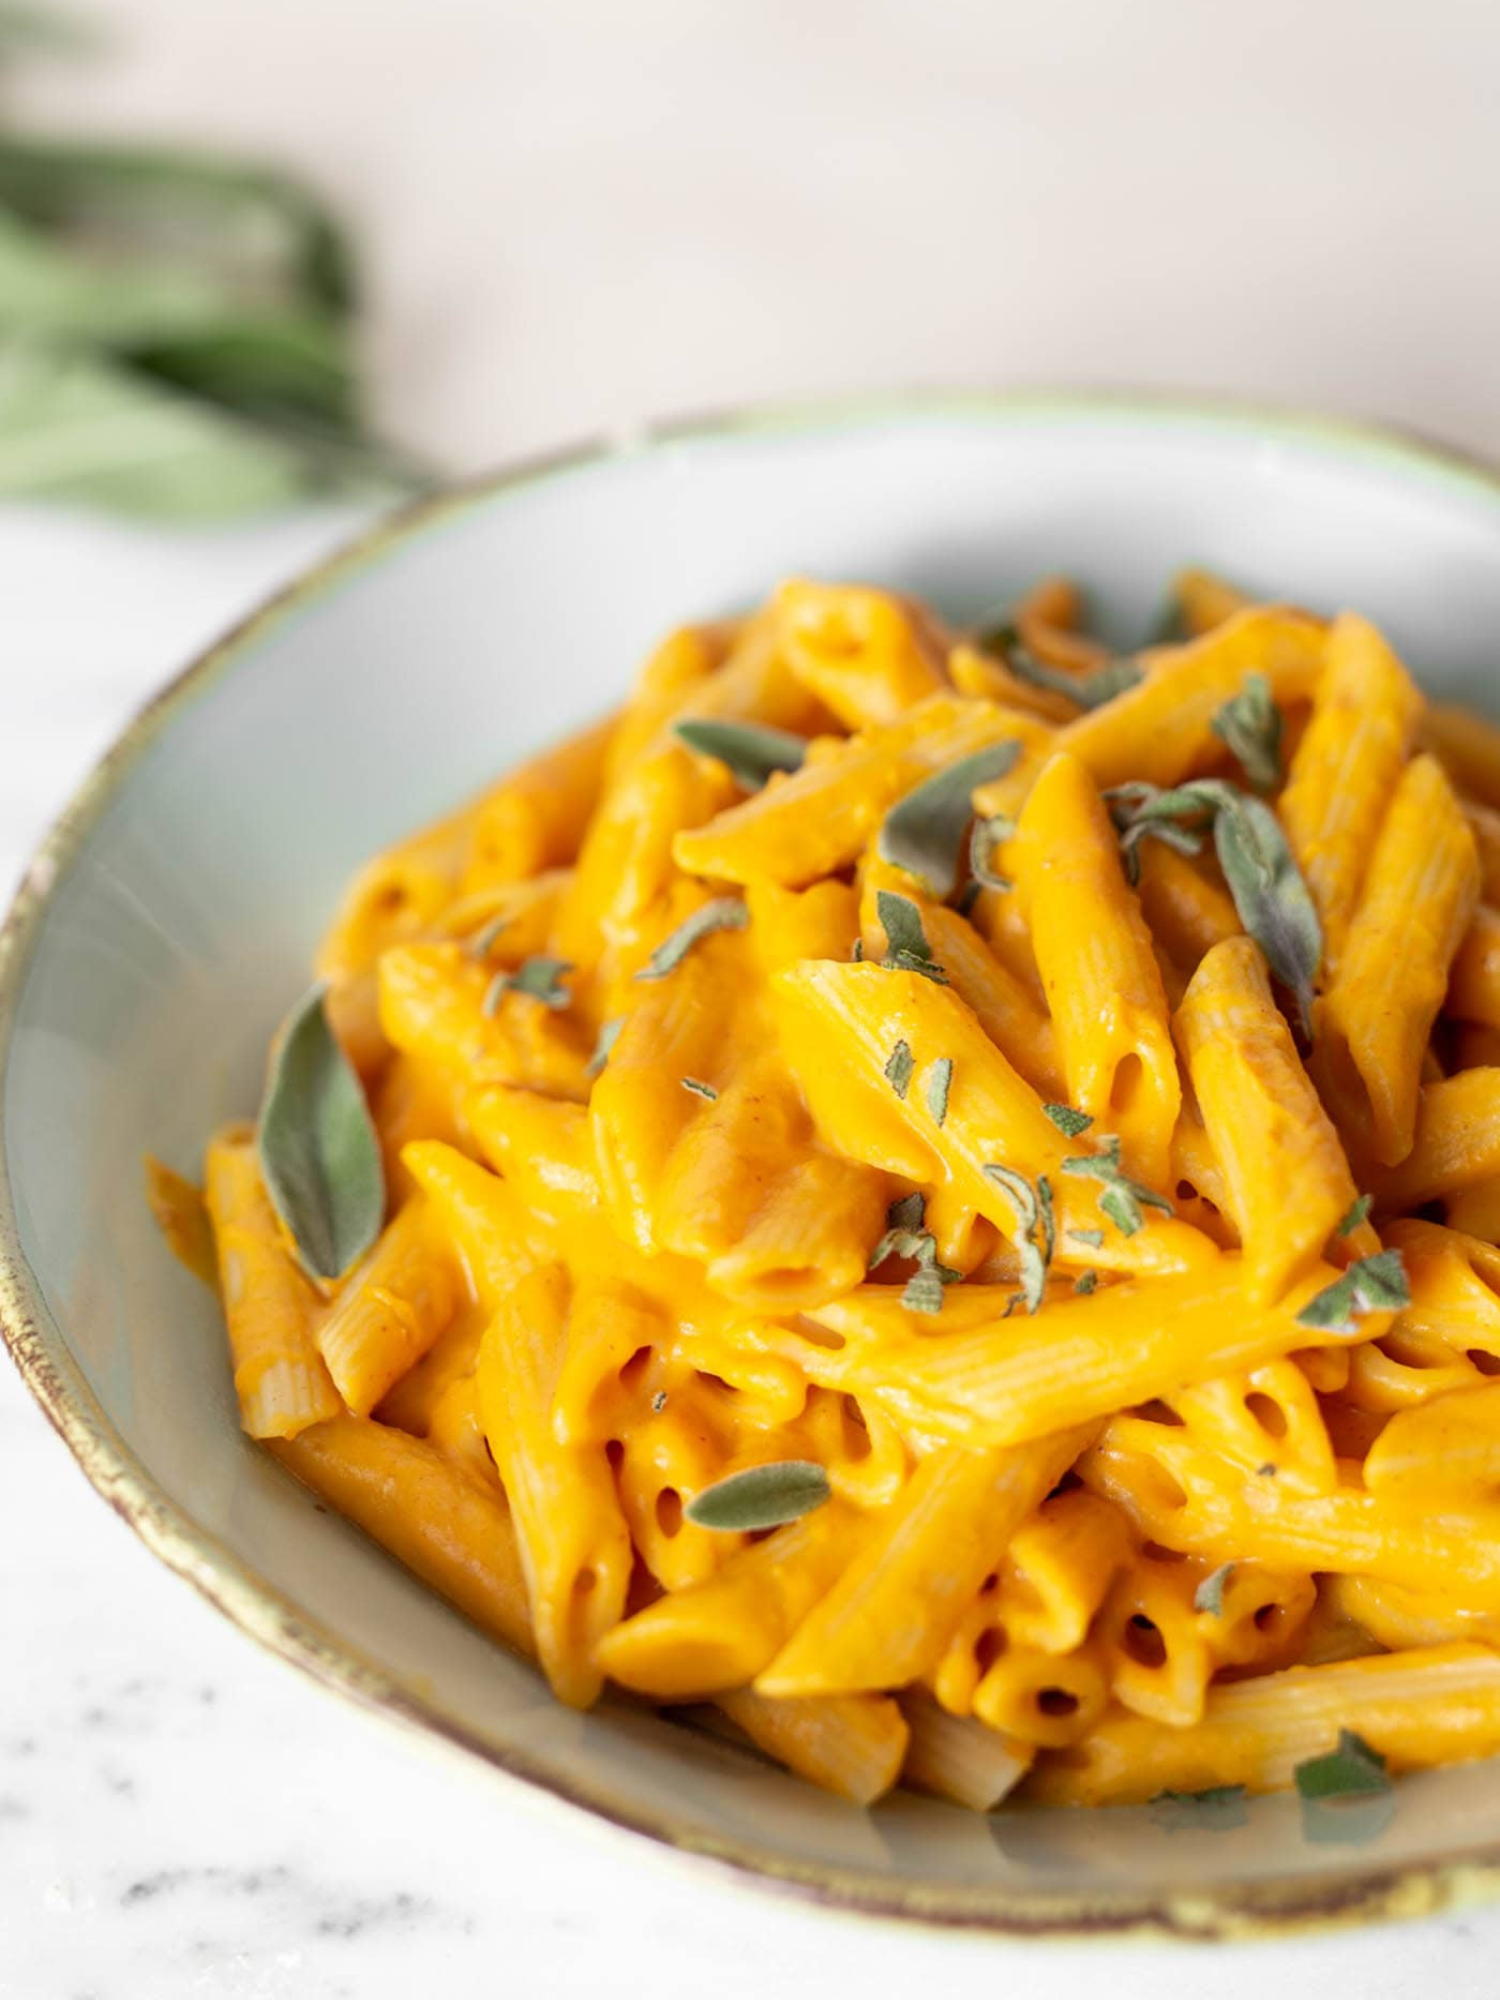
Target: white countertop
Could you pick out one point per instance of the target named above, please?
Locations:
(580, 214)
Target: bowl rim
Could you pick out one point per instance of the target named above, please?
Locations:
(1187, 1912)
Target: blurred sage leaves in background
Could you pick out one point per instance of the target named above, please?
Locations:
(177, 331)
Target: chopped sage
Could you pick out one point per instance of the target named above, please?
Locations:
(609, 1034)
(905, 1237)
(724, 913)
(985, 838)
(1216, 1809)
(1088, 690)
(899, 1067)
(1271, 897)
(906, 947)
(1086, 1282)
(762, 1496)
(1123, 1198)
(659, 1401)
(1374, 1284)
(923, 832)
(538, 978)
(1068, 1121)
(1035, 1234)
(751, 750)
(699, 1088)
(1209, 1596)
(482, 943)
(319, 1156)
(939, 1083)
(1351, 1770)
(1359, 1212)
(1093, 1238)
(1249, 724)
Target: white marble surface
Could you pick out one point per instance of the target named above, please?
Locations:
(579, 214)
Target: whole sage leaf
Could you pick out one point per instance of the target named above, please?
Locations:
(762, 1496)
(924, 831)
(1270, 895)
(319, 1156)
(752, 750)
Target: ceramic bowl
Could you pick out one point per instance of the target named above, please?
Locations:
(168, 921)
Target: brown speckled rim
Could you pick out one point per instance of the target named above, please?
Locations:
(1220, 1912)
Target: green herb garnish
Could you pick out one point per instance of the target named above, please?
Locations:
(538, 978)
(482, 943)
(924, 831)
(1249, 724)
(1209, 1596)
(905, 1237)
(609, 1034)
(899, 1067)
(1086, 1282)
(699, 1088)
(1093, 1238)
(1089, 690)
(762, 1496)
(906, 948)
(319, 1156)
(1374, 1284)
(724, 913)
(1035, 1234)
(985, 838)
(1216, 1809)
(1351, 1771)
(1269, 893)
(1123, 1198)
(1068, 1121)
(1358, 1213)
(939, 1083)
(752, 751)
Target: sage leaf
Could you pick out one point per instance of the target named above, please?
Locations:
(1068, 1121)
(1035, 1235)
(724, 913)
(1249, 725)
(1122, 1199)
(1090, 690)
(1085, 1283)
(899, 1067)
(762, 1496)
(939, 1083)
(1209, 1596)
(906, 942)
(699, 1088)
(609, 1034)
(751, 750)
(924, 832)
(319, 1156)
(984, 839)
(1351, 1770)
(539, 978)
(1374, 1284)
(1359, 1211)
(1216, 1809)
(1271, 896)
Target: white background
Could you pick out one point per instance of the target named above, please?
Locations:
(580, 213)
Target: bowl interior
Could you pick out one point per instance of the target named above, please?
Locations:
(193, 884)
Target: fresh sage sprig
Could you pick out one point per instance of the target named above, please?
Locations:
(924, 832)
(319, 1155)
(1374, 1284)
(1269, 893)
(762, 1496)
(176, 335)
(752, 750)
(1122, 1199)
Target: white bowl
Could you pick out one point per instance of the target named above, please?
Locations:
(169, 919)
